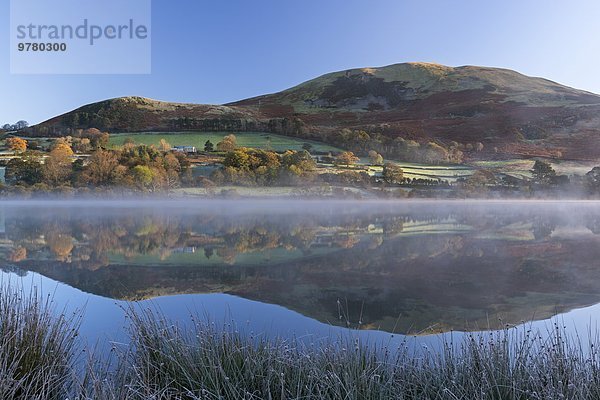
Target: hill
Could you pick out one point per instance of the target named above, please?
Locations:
(510, 113)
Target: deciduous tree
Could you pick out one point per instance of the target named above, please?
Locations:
(143, 176)
(307, 146)
(164, 145)
(543, 173)
(24, 171)
(58, 165)
(16, 144)
(346, 158)
(21, 125)
(229, 143)
(101, 169)
(392, 174)
(375, 158)
(97, 138)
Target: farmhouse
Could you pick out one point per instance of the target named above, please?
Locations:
(184, 149)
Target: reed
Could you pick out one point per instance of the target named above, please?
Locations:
(201, 360)
(38, 346)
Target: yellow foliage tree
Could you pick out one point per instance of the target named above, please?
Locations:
(16, 144)
(229, 143)
(164, 145)
(58, 167)
(62, 149)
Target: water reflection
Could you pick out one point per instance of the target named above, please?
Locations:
(402, 267)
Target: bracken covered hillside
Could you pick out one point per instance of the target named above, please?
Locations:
(510, 113)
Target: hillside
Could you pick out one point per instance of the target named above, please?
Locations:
(510, 113)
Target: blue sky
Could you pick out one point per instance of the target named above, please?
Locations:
(223, 50)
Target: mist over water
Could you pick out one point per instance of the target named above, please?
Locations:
(292, 268)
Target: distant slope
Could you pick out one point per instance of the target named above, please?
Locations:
(131, 114)
(513, 114)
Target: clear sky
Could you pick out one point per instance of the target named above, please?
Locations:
(224, 50)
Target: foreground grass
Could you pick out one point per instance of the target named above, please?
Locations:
(37, 347)
(166, 361)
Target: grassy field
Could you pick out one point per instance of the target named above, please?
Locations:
(518, 168)
(574, 167)
(445, 173)
(522, 168)
(448, 173)
(245, 139)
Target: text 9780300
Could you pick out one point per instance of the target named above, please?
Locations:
(34, 46)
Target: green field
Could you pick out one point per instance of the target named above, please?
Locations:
(244, 139)
(449, 173)
(443, 172)
(522, 168)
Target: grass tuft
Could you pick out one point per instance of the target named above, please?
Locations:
(37, 346)
(200, 360)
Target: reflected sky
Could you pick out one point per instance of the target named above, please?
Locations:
(312, 269)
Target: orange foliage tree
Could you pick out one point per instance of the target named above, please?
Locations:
(16, 144)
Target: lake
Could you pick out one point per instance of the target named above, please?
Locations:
(311, 269)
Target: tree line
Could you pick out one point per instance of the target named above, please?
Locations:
(361, 142)
(141, 167)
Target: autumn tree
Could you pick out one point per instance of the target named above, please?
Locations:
(172, 172)
(62, 149)
(97, 138)
(159, 179)
(392, 174)
(229, 143)
(251, 166)
(297, 167)
(408, 150)
(481, 178)
(455, 155)
(58, 165)
(239, 159)
(128, 143)
(301, 159)
(143, 176)
(16, 144)
(101, 169)
(375, 158)
(164, 145)
(81, 145)
(435, 154)
(479, 182)
(346, 158)
(261, 167)
(140, 155)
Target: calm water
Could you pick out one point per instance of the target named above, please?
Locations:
(312, 269)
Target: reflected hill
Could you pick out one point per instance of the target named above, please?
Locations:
(416, 271)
